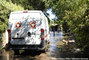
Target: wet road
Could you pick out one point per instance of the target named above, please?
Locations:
(54, 50)
(54, 53)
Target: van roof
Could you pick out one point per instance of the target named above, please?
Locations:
(27, 11)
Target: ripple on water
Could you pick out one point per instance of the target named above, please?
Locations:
(52, 48)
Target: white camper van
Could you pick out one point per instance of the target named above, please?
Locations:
(28, 30)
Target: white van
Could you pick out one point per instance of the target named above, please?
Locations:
(28, 30)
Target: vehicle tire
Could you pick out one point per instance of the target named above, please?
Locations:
(16, 52)
(45, 49)
(48, 46)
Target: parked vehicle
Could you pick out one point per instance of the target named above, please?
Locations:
(28, 30)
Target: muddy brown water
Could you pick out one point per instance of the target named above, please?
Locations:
(56, 51)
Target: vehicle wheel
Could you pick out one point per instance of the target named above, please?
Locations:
(46, 49)
(48, 45)
(16, 52)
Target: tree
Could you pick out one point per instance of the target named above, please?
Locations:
(5, 9)
(30, 4)
(75, 13)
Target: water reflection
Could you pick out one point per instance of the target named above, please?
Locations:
(57, 34)
(55, 51)
(55, 39)
(52, 48)
(26, 55)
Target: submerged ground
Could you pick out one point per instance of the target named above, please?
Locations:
(58, 49)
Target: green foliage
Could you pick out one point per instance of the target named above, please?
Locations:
(5, 9)
(75, 15)
(30, 4)
(10, 6)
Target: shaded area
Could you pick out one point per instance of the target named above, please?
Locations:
(63, 46)
(54, 27)
(24, 55)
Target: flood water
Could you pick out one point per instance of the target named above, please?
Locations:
(60, 50)
(56, 51)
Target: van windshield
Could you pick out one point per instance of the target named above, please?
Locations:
(22, 16)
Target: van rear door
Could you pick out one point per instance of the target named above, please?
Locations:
(22, 32)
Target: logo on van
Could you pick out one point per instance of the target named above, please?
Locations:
(18, 25)
(33, 24)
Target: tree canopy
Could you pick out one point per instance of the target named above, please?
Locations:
(74, 14)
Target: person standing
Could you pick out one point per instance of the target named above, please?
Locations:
(53, 31)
